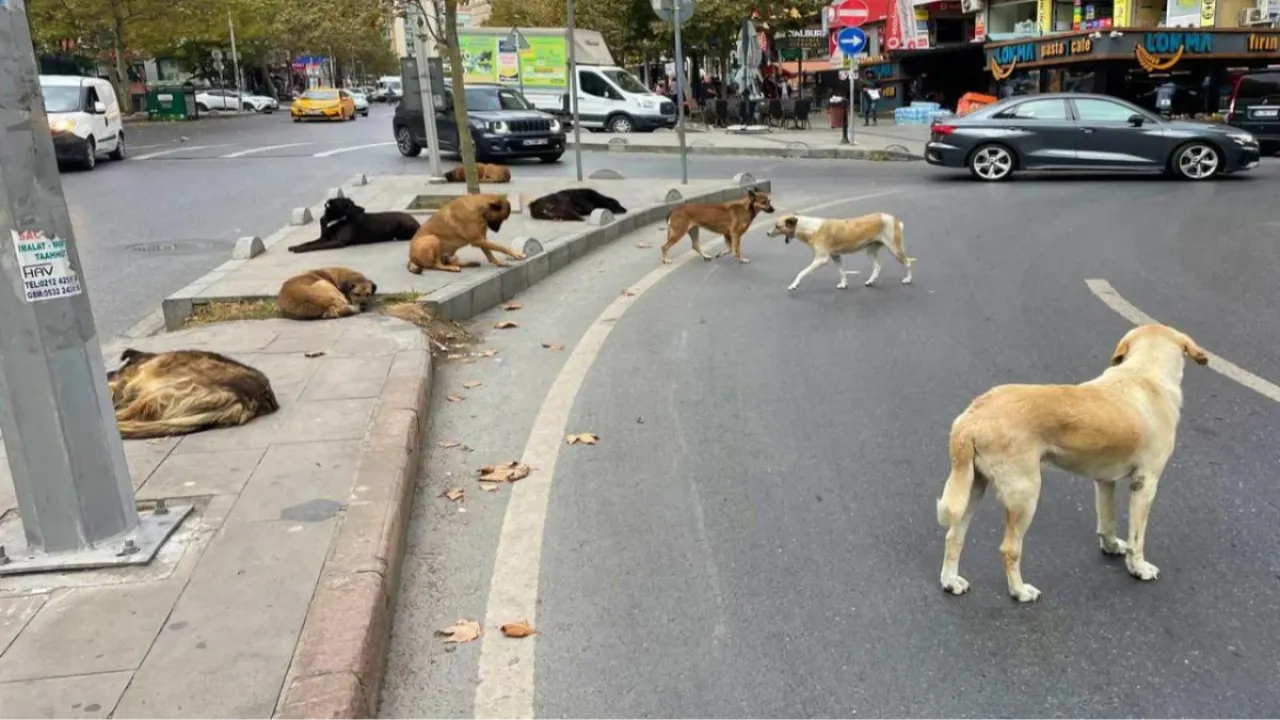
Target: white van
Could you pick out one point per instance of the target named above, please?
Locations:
(389, 89)
(84, 117)
(612, 99)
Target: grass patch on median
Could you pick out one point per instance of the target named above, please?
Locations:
(445, 335)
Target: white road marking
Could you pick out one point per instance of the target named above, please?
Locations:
(352, 148)
(256, 150)
(506, 672)
(1130, 312)
(144, 147)
(184, 148)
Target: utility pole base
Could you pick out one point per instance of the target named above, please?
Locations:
(139, 547)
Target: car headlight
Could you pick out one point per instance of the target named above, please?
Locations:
(63, 125)
(1245, 139)
(555, 126)
(499, 127)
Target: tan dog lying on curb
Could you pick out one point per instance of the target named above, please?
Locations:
(830, 238)
(460, 223)
(485, 171)
(185, 391)
(1120, 425)
(325, 293)
(731, 219)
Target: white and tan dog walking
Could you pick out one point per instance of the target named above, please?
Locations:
(830, 238)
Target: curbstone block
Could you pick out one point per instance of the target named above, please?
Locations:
(300, 216)
(600, 216)
(513, 281)
(559, 257)
(486, 293)
(248, 248)
(531, 247)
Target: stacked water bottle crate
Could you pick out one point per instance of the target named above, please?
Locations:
(920, 113)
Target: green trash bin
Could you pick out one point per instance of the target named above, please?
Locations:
(171, 102)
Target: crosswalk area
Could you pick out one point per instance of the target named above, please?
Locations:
(235, 151)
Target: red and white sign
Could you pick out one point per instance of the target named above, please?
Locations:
(852, 13)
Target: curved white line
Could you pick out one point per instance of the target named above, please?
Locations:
(256, 150)
(1130, 312)
(352, 148)
(506, 672)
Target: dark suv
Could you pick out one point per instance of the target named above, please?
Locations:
(502, 123)
(1255, 106)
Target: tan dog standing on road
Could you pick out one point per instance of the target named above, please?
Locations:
(325, 293)
(831, 238)
(462, 222)
(1119, 425)
(731, 219)
(487, 172)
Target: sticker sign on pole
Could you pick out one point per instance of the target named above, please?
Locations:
(851, 40)
(852, 13)
(46, 269)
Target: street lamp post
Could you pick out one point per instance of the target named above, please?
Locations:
(426, 92)
(571, 44)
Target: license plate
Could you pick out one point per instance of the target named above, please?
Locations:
(314, 112)
(535, 141)
(1266, 112)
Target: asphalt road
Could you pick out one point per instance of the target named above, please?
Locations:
(755, 535)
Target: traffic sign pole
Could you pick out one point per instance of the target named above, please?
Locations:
(684, 156)
(851, 41)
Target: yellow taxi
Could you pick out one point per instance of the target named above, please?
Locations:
(323, 104)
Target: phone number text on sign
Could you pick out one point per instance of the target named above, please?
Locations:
(46, 268)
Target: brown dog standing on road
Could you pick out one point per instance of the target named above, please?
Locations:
(185, 391)
(325, 293)
(488, 173)
(1120, 425)
(729, 219)
(831, 238)
(462, 222)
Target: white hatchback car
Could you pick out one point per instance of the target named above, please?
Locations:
(231, 100)
(362, 102)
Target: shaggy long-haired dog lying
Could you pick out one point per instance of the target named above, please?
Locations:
(573, 205)
(346, 223)
(185, 391)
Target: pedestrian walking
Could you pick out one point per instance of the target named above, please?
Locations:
(870, 97)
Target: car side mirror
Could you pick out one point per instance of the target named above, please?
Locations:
(1136, 120)
(100, 108)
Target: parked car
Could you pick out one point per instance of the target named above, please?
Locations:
(223, 99)
(362, 102)
(323, 104)
(84, 119)
(502, 123)
(1080, 131)
(1255, 107)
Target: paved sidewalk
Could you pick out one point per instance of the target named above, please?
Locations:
(274, 595)
(886, 141)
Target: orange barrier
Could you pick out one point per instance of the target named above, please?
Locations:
(972, 101)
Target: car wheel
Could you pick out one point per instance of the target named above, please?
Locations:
(90, 160)
(1196, 161)
(354, 115)
(405, 143)
(620, 124)
(550, 158)
(121, 151)
(248, 107)
(992, 163)
(297, 119)
(201, 107)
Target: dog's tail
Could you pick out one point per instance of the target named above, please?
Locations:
(955, 496)
(899, 241)
(142, 429)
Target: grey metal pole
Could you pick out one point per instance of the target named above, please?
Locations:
(570, 45)
(235, 60)
(519, 58)
(65, 453)
(426, 93)
(684, 156)
(851, 115)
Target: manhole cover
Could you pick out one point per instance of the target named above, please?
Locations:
(173, 247)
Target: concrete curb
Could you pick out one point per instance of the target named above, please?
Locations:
(473, 295)
(337, 665)
(782, 151)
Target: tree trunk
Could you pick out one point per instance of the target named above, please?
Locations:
(465, 142)
(266, 79)
(121, 79)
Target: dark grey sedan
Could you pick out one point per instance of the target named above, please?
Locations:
(1078, 131)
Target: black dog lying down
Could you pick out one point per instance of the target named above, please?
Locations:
(574, 204)
(346, 223)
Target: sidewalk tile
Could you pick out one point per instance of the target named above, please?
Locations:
(226, 647)
(327, 420)
(347, 378)
(218, 473)
(15, 612)
(259, 433)
(329, 469)
(77, 696)
(69, 637)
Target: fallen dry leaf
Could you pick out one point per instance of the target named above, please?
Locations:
(455, 398)
(520, 629)
(644, 246)
(512, 306)
(506, 325)
(461, 631)
(454, 494)
(313, 354)
(506, 472)
(489, 488)
(446, 444)
(472, 384)
(582, 439)
(487, 353)
(553, 346)
(628, 293)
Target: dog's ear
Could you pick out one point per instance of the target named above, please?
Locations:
(496, 205)
(1193, 350)
(751, 193)
(1122, 351)
(373, 288)
(791, 221)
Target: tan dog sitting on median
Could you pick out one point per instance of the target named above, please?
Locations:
(487, 172)
(462, 222)
(325, 293)
(1120, 425)
(730, 219)
(831, 238)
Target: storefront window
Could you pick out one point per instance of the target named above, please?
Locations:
(1012, 18)
(1023, 82)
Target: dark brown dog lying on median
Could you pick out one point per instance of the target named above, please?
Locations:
(487, 172)
(573, 205)
(346, 223)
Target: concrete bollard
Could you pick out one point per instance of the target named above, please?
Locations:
(744, 179)
(360, 180)
(335, 193)
(618, 144)
(600, 216)
(606, 174)
(248, 248)
(300, 216)
(797, 150)
(674, 195)
(528, 245)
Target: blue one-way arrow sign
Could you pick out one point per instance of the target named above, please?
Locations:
(851, 41)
